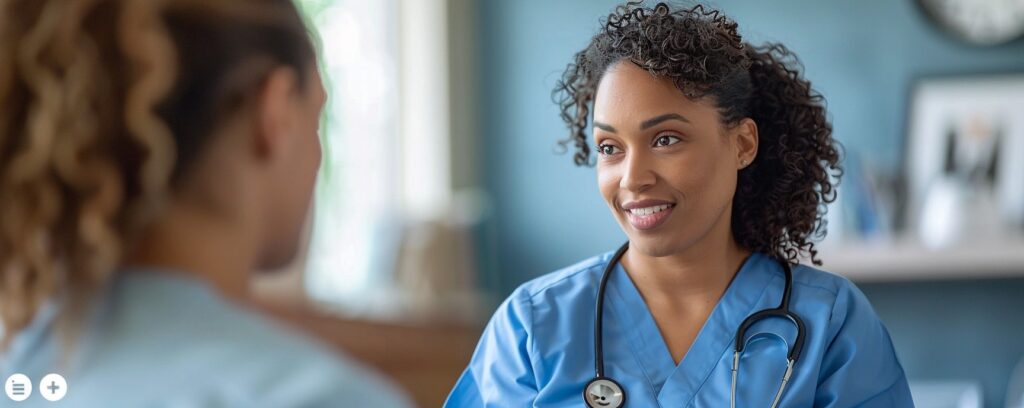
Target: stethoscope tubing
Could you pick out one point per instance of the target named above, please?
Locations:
(782, 311)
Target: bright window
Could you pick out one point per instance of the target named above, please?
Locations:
(354, 233)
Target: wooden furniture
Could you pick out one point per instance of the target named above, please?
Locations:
(424, 359)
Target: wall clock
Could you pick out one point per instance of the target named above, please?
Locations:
(979, 22)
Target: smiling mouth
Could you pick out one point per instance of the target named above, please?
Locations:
(647, 218)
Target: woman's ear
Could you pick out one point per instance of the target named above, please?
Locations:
(273, 111)
(745, 134)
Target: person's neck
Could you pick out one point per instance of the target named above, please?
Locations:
(196, 242)
(700, 274)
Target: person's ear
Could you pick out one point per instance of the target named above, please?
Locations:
(273, 112)
(746, 137)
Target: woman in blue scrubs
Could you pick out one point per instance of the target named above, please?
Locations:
(716, 158)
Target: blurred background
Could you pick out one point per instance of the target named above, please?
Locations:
(442, 188)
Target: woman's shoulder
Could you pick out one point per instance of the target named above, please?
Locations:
(550, 297)
(199, 346)
(572, 278)
(811, 276)
(847, 303)
(815, 288)
(851, 339)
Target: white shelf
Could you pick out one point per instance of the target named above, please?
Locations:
(906, 261)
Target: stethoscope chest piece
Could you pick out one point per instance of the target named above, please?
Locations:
(604, 393)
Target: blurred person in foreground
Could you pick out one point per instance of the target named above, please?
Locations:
(152, 155)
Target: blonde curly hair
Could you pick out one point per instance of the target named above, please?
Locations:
(103, 103)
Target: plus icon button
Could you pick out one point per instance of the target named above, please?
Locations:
(53, 387)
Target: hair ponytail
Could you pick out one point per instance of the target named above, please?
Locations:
(779, 204)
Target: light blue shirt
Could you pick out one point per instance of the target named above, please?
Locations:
(538, 349)
(167, 340)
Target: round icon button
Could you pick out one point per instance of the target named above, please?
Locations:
(18, 387)
(53, 387)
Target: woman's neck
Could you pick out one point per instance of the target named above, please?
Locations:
(698, 274)
(192, 241)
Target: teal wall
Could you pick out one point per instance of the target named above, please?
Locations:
(956, 329)
(862, 55)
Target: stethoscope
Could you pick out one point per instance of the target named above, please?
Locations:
(604, 392)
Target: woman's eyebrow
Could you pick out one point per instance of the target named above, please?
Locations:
(658, 119)
(604, 127)
(645, 124)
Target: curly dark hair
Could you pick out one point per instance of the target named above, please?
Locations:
(780, 199)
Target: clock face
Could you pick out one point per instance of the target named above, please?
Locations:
(983, 22)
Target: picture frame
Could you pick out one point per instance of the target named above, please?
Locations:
(965, 158)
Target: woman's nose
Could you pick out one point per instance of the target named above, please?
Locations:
(637, 173)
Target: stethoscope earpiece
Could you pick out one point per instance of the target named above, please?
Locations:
(604, 393)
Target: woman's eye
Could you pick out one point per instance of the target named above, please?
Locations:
(606, 149)
(666, 141)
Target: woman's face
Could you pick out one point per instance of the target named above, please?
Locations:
(295, 174)
(666, 166)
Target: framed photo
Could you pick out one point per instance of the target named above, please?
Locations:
(965, 158)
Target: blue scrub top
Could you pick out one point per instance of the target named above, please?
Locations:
(160, 339)
(538, 349)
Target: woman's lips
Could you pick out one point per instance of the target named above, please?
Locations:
(648, 217)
